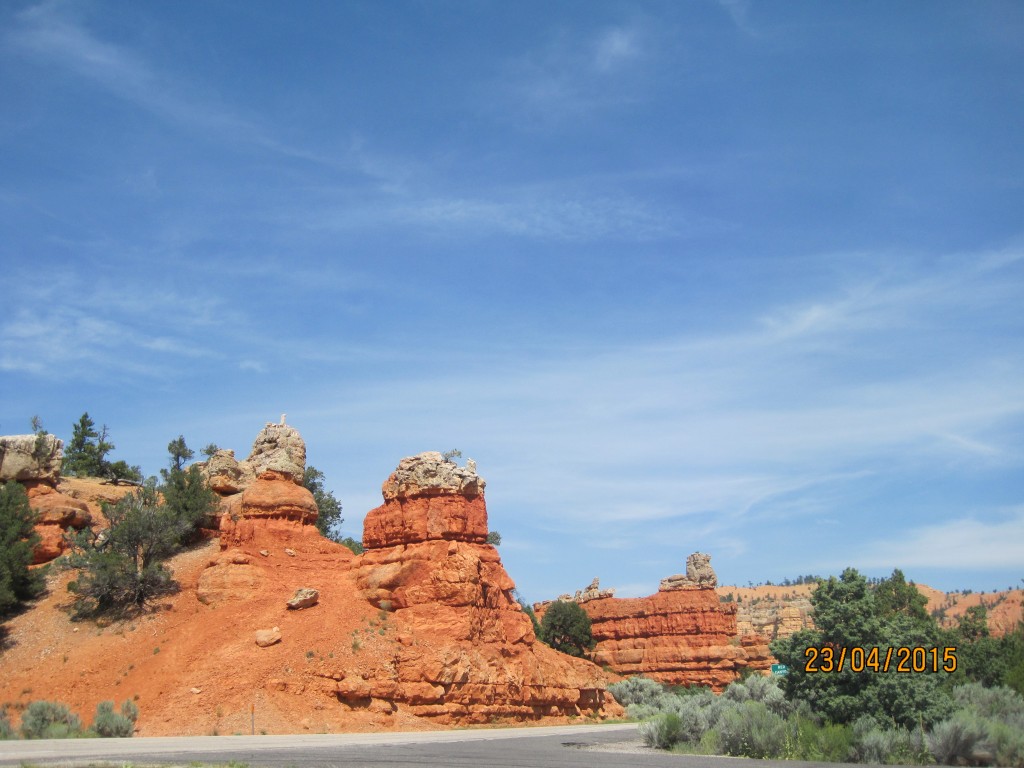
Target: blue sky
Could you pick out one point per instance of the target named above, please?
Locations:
(737, 277)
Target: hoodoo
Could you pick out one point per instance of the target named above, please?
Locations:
(466, 652)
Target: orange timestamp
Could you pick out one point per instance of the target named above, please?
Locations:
(830, 658)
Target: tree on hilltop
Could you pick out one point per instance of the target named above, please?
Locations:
(85, 454)
(180, 453)
(86, 451)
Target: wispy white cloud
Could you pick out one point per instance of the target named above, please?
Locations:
(51, 33)
(616, 47)
(967, 543)
(739, 13)
(580, 218)
(572, 75)
(734, 427)
(56, 33)
(74, 327)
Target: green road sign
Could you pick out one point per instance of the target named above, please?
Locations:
(780, 669)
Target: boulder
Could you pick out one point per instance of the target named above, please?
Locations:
(230, 576)
(30, 457)
(268, 637)
(225, 474)
(305, 597)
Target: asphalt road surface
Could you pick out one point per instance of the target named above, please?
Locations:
(585, 746)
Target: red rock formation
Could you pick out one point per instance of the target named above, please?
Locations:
(57, 513)
(263, 500)
(465, 651)
(273, 509)
(681, 635)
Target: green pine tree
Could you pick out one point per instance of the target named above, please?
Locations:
(566, 628)
(85, 454)
(329, 519)
(17, 542)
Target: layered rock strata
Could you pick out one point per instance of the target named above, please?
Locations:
(464, 652)
(681, 635)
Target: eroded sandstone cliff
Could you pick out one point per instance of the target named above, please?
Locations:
(681, 635)
(465, 651)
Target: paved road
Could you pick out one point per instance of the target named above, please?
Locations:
(546, 747)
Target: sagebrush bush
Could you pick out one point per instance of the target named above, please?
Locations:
(662, 731)
(955, 739)
(1006, 743)
(752, 730)
(636, 690)
(49, 720)
(109, 724)
(693, 719)
(6, 730)
(1001, 703)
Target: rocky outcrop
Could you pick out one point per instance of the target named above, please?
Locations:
(278, 448)
(681, 635)
(699, 575)
(430, 474)
(464, 652)
(225, 474)
(263, 496)
(773, 619)
(30, 458)
(592, 592)
(34, 461)
(57, 515)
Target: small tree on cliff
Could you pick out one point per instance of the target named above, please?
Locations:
(186, 494)
(86, 451)
(329, 519)
(86, 454)
(17, 541)
(566, 628)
